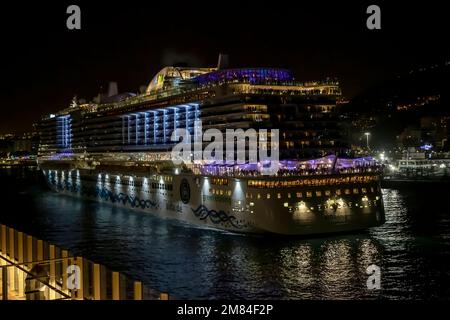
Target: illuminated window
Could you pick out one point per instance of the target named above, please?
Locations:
(355, 191)
(289, 195)
(338, 192)
(309, 194)
(318, 193)
(347, 191)
(279, 196)
(299, 195)
(268, 196)
(258, 196)
(327, 193)
(363, 190)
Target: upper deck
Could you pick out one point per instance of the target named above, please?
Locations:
(177, 98)
(179, 90)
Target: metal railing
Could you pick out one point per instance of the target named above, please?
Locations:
(32, 269)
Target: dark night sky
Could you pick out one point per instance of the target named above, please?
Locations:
(44, 64)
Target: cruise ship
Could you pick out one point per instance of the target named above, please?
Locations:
(118, 149)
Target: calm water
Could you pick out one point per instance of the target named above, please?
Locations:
(412, 248)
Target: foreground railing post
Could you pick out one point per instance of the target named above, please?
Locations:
(40, 250)
(30, 251)
(115, 285)
(96, 284)
(21, 274)
(51, 253)
(4, 283)
(65, 264)
(80, 290)
(3, 239)
(12, 278)
(163, 296)
(137, 290)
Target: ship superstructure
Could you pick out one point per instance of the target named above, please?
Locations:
(118, 150)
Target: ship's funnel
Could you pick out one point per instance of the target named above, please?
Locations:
(222, 63)
(112, 89)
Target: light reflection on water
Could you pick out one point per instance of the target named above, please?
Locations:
(194, 263)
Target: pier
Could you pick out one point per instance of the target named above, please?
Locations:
(32, 269)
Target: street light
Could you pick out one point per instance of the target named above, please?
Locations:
(367, 134)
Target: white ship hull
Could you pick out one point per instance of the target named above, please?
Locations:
(235, 204)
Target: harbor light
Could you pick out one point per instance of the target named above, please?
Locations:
(301, 205)
(393, 168)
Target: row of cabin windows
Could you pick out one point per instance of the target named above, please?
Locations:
(307, 194)
(220, 181)
(311, 182)
(317, 193)
(153, 185)
(220, 192)
(127, 182)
